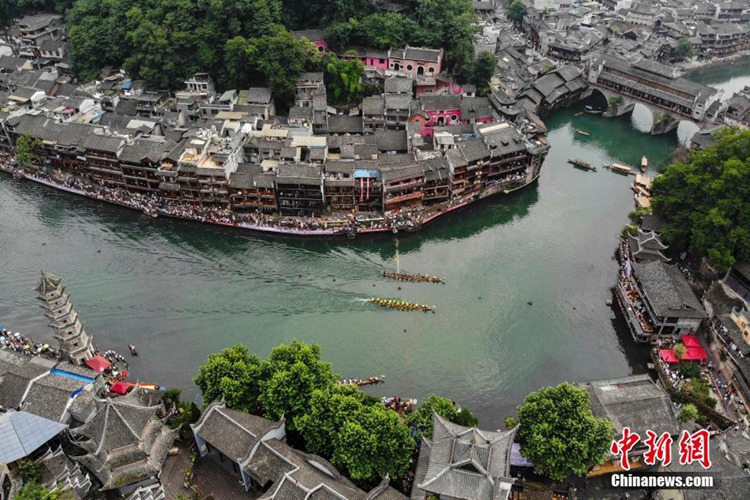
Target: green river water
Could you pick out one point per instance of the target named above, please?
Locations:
(180, 291)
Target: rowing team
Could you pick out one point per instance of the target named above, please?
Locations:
(401, 304)
(413, 277)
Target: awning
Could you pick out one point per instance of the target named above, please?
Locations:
(690, 341)
(98, 363)
(22, 433)
(668, 356)
(121, 387)
(694, 354)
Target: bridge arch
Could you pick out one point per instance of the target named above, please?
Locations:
(642, 118)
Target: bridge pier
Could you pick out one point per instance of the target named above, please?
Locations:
(619, 110)
(664, 124)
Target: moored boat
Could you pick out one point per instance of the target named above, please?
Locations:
(402, 305)
(414, 278)
(620, 168)
(577, 162)
(582, 132)
(644, 163)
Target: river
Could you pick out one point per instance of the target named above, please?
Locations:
(524, 304)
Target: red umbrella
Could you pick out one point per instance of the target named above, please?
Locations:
(98, 363)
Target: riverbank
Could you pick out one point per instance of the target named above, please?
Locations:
(716, 61)
(407, 220)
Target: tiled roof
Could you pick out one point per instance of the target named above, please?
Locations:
(468, 463)
(232, 432)
(50, 396)
(635, 402)
(301, 479)
(667, 290)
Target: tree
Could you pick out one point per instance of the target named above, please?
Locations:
(344, 79)
(231, 375)
(373, 443)
(688, 413)
(684, 49)
(484, 69)
(30, 471)
(366, 440)
(705, 202)
(280, 59)
(516, 11)
(26, 147)
(32, 491)
(559, 432)
(288, 379)
(421, 419)
(679, 350)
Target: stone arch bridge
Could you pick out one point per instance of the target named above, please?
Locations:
(669, 98)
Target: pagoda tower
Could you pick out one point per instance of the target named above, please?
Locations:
(75, 343)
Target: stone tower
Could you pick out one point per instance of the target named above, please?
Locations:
(75, 343)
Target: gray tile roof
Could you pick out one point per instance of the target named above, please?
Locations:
(373, 105)
(468, 463)
(15, 382)
(259, 95)
(297, 477)
(311, 35)
(50, 396)
(96, 142)
(422, 54)
(473, 150)
(440, 102)
(342, 124)
(398, 85)
(667, 290)
(647, 246)
(232, 432)
(392, 140)
(635, 402)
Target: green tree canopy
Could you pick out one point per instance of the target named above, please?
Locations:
(344, 80)
(560, 434)
(516, 11)
(367, 441)
(32, 491)
(484, 68)
(232, 375)
(288, 379)
(26, 147)
(421, 419)
(684, 49)
(705, 202)
(688, 413)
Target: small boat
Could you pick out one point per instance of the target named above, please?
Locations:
(133, 351)
(402, 305)
(620, 168)
(577, 162)
(579, 113)
(414, 278)
(582, 132)
(359, 382)
(644, 163)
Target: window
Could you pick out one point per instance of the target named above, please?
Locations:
(454, 118)
(431, 69)
(409, 67)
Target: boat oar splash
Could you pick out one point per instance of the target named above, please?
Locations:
(414, 278)
(403, 305)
